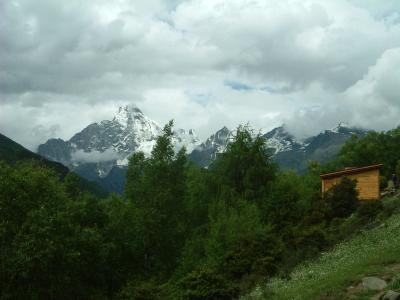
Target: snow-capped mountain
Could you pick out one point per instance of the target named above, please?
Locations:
(204, 154)
(287, 151)
(99, 147)
(321, 148)
(280, 140)
(100, 152)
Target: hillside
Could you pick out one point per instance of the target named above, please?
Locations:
(339, 274)
(12, 152)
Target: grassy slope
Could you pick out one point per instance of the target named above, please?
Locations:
(369, 253)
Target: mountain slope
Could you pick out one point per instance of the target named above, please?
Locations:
(321, 148)
(12, 152)
(337, 274)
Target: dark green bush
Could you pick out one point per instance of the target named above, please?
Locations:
(341, 200)
(207, 284)
(368, 211)
(144, 290)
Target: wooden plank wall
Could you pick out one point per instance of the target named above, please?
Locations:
(367, 184)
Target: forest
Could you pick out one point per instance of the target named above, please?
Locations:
(179, 231)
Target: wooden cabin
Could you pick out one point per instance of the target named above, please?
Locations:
(367, 180)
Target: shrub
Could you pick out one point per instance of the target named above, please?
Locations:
(369, 210)
(341, 200)
(207, 284)
(143, 290)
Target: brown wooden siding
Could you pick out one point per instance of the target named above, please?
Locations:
(367, 184)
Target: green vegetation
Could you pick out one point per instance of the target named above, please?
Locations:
(179, 232)
(12, 152)
(370, 252)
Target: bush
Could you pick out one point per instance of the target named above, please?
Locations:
(143, 290)
(207, 284)
(383, 182)
(341, 200)
(259, 255)
(369, 210)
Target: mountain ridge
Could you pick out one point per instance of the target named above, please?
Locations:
(104, 148)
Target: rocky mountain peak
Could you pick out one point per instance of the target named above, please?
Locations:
(340, 127)
(127, 115)
(280, 140)
(101, 146)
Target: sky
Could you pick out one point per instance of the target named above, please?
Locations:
(308, 64)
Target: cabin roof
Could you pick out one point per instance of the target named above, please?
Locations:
(350, 171)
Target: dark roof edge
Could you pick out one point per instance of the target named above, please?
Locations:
(351, 171)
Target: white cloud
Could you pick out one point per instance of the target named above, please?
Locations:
(75, 61)
(373, 102)
(94, 156)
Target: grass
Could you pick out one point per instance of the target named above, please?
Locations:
(328, 276)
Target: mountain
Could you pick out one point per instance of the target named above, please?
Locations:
(204, 154)
(100, 147)
(101, 151)
(287, 151)
(280, 140)
(293, 154)
(12, 152)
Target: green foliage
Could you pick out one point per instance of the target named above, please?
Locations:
(341, 200)
(369, 210)
(397, 169)
(374, 148)
(228, 225)
(179, 232)
(367, 253)
(207, 284)
(156, 188)
(51, 245)
(245, 168)
(143, 290)
(290, 198)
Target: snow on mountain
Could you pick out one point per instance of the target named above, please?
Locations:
(280, 140)
(340, 126)
(104, 148)
(286, 149)
(214, 145)
(185, 138)
(111, 142)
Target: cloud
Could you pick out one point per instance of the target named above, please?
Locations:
(372, 102)
(375, 98)
(94, 156)
(204, 63)
(238, 86)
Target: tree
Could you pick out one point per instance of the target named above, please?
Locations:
(245, 168)
(156, 187)
(52, 246)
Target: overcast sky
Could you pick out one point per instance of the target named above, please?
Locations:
(205, 63)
